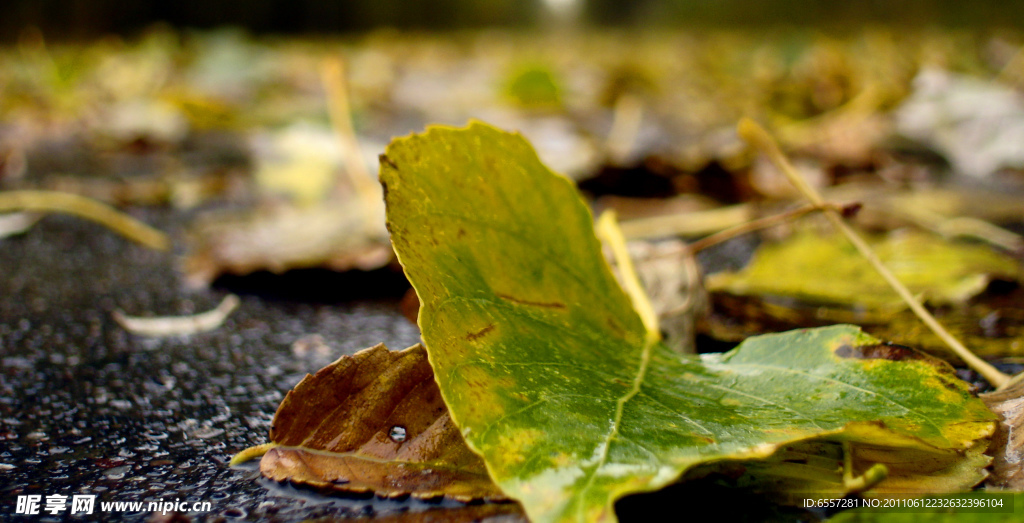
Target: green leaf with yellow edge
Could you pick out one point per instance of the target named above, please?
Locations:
(828, 270)
(548, 372)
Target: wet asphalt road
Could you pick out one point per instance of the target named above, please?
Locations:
(87, 408)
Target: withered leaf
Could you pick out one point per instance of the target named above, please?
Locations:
(375, 422)
(1008, 442)
(671, 279)
(340, 237)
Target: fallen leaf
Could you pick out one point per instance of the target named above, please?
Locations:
(374, 422)
(178, 325)
(338, 236)
(977, 124)
(1008, 442)
(535, 87)
(827, 270)
(991, 324)
(671, 279)
(152, 119)
(301, 162)
(547, 369)
(15, 223)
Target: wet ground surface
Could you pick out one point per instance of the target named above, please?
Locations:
(88, 408)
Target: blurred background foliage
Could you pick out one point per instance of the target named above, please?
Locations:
(76, 19)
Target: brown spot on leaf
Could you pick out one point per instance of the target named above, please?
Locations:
(384, 192)
(615, 327)
(480, 333)
(388, 161)
(883, 351)
(851, 209)
(550, 305)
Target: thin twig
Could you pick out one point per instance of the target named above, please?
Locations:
(608, 230)
(336, 89)
(755, 135)
(52, 201)
(1008, 73)
(626, 120)
(764, 223)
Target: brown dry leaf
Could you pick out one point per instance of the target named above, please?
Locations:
(1008, 442)
(670, 277)
(375, 422)
(339, 236)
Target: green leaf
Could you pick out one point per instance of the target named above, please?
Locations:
(543, 362)
(827, 269)
(535, 87)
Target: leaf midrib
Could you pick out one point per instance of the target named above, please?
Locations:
(620, 405)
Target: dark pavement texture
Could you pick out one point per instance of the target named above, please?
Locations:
(88, 408)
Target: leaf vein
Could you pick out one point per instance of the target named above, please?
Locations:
(849, 385)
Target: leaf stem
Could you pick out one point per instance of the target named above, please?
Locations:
(251, 453)
(53, 201)
(758, 137)
(764, 223)
(626, 120)
(608, 230)
(871, 477)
